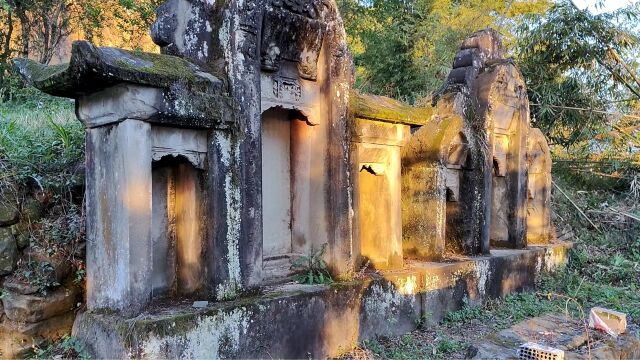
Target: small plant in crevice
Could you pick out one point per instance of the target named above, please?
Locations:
(445, 345)
(55, 250)
(68, 347)
(312, 269)
(40, 275)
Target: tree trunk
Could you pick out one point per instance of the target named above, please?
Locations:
(6, 49)
(25, 31)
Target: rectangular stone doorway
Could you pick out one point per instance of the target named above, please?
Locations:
(177, 228)
(287, 176)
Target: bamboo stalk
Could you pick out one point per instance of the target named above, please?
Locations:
(576, 206)
(626, 214)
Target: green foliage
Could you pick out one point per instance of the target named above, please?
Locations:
(405, 48)
(411, 347)
(446, 345)
(570, 58)
(503, 312)
(591, 174)
(573, 58)
(129, 20)
(41, 146)
(40, 275)
(80, 274)
(66, 348)
(312, 269)
(41, 165)
(603, 268)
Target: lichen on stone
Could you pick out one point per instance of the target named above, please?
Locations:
(230, 153)
(159, 64)
(211, 336)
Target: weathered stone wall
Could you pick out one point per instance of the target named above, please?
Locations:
(38, 295)
(503, 110)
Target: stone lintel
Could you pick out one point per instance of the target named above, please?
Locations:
(381, 133)
(93, 68)
(188, 143)
(175, 106)
(299, 321)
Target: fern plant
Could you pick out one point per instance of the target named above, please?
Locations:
(312, 269)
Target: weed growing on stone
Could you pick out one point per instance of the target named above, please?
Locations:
(67, 348)
(411, 347)
(312, 269)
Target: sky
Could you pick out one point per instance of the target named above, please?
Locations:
(609, 5)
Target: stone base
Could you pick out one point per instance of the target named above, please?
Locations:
(300, 321)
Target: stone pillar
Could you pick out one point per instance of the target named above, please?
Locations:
(539, 189)
(118, 180)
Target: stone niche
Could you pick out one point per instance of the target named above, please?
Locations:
(178, 210)
(539, 227)
(504, 107)
(294, 133)
(442, 186)
(378, 198)
(293, 215)
(380, 129)
(145, 216)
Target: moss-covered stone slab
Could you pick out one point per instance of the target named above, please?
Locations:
(112, 85)
(92, 69)
(385, 109)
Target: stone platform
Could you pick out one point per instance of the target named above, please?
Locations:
(300, 321)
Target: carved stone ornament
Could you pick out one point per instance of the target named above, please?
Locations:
(292, 31)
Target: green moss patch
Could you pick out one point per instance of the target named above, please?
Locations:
(162, 65)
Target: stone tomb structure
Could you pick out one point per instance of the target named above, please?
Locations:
(443, 186)
(212, 165)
